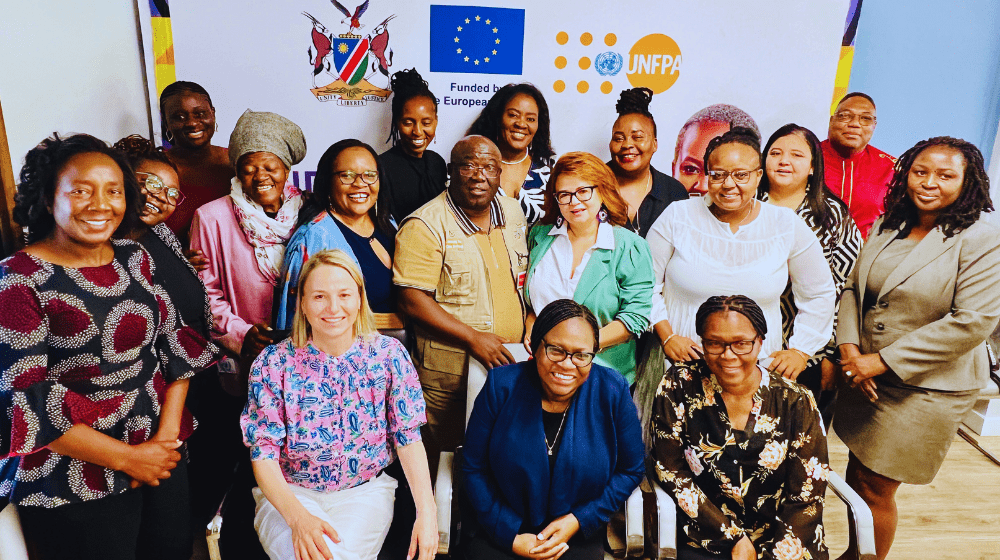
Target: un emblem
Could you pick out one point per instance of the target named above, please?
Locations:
(608, 63)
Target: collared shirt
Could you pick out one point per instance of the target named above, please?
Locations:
(861, 181)
(765, 481)
(332, 422)
(555, 278)
(467, 225)
(664, 190)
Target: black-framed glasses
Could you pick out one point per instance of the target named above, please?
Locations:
(583, 194)
(740, 176)
(847, 116)
(717, 347)
(154, 184)
(471, 169)
(348, 177)
(558, 354)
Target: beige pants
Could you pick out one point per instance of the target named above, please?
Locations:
(360, 515)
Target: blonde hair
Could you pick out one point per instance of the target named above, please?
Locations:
(365, 322)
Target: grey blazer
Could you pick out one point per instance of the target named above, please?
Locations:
(935, 310)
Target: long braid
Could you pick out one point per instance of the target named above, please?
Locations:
(901, 213)
(738, 304)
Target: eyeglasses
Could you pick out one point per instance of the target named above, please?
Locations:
(470, 170)
(583, 194)
(740, 176)
(845, 117)
(558, 354)
(154, 184)
(348, 177)
(717, 347)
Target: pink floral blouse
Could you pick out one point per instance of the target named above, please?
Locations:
(766, 481)
(332, 422)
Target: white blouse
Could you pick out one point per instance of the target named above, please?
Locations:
(696, 256)
(552, 279)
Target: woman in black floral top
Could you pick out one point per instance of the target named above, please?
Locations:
(93, 367)
(742, 451)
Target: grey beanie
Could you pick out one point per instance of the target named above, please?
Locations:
(267, 132)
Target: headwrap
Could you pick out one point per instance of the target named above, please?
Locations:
(267, 132)
(265, 234)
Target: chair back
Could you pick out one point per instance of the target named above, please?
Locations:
(477, 375)
(12, 545)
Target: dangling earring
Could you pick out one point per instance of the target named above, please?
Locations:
(169, 136)
(559, 221)
(602, 216)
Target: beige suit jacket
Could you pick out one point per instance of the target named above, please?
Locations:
(934, 311)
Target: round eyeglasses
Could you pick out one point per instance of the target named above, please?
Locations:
(470, 169)
(348, 177)
(740, 176)
(154, 184)
(582, 194)
(558, 354)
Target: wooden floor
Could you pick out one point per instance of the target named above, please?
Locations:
(955, 517)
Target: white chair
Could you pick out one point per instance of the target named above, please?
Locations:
(12, 545)
(444, 490)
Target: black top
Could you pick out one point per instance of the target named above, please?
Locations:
(176, 277)
(552, 421)
(665, 190)
(378, 278)
(407, 182)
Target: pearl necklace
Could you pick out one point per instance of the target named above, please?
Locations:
(526, 154)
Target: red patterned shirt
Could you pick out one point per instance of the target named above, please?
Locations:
(860, 181)
(95, 346)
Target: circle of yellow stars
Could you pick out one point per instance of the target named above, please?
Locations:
(496, 41)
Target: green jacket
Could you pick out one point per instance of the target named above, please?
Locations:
(615, 284)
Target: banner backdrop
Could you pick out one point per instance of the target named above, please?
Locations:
(325, 64)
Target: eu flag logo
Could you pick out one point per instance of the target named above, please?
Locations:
(475, 39)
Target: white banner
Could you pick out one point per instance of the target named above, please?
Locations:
(775, 60)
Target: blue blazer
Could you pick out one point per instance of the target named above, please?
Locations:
(506, 463)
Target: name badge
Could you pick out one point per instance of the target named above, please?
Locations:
(228, 365)
(520, 279)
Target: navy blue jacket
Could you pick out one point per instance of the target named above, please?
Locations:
(506, 463)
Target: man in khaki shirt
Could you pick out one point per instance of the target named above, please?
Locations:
(460, 264)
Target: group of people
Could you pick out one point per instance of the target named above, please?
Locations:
(691, 329)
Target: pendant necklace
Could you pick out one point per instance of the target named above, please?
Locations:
(555, 440)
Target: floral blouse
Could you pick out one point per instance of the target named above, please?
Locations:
(329, 420)
(531, 197)
(93, 345)
(766, 481)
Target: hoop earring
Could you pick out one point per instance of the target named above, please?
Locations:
(602, 216)
(169, 136)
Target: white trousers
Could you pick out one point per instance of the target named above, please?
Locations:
(360, 515)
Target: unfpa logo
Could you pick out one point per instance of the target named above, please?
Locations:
(654, 62)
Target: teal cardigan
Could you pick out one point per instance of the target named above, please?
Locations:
(615, 284)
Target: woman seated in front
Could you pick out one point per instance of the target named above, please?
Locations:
(553, 446)
(328, 410)
(740, 449)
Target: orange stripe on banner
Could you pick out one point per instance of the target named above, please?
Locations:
(163, 53)
(843, 79)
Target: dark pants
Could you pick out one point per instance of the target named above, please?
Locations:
(479, 547)
(239, 538)
(685, 552)
(812, 378)
(150, 522)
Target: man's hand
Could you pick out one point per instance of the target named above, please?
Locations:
(489, 350)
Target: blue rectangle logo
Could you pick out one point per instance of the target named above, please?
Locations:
(477, 39)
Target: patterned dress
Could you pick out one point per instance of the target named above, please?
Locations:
(332, 422)
(766, 481)
(531, 197)
(841, 246)
(95, 346)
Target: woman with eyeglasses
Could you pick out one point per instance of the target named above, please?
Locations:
(741, 450)
(553, 446)
(341, 214)
(729, 242)
(582, 250)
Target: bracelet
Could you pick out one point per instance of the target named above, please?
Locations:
(668, 340)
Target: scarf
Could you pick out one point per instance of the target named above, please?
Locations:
(267, 235)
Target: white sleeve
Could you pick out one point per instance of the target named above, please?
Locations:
(661, 247)
(813, 289)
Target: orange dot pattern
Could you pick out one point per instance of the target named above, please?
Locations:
(583, 86)
(586, 39)
(610, 39)
(560, 62)
(584, 63)
(559, 86)
(606, 87)
(562, 37)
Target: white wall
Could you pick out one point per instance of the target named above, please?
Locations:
(70, 67)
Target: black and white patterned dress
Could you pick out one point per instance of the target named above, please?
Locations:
(95, 346)
(841, 246)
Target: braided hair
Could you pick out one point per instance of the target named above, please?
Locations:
(636, 101)
(490, 120)
(406, 85)
(818, 195)
(737, 304)
(556, 312)
(736, 135)
(901, 213)
(138, 149)
(40, 175)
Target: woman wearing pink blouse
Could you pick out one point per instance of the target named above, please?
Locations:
(328, 410)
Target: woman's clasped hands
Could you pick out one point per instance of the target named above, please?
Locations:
(549, 544)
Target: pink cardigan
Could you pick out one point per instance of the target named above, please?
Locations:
(239, 294)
